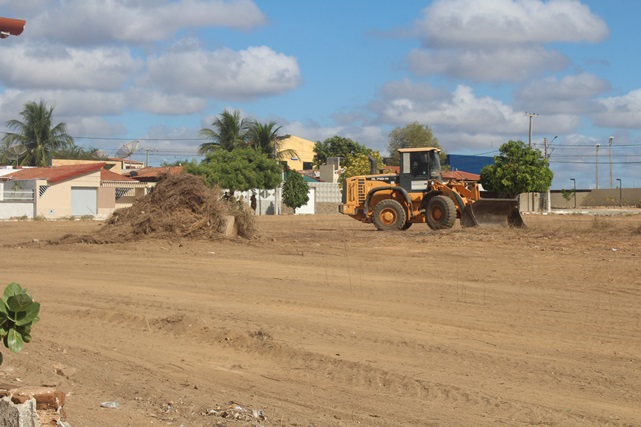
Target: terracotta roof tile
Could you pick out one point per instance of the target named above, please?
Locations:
(461, 176)
(107, 175)
(56, 174)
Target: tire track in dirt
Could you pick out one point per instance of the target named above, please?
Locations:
(347, 375)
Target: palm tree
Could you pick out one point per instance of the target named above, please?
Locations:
(229, 134)
(264, 137)
(37, 134)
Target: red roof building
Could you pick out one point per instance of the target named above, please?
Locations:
(66, 191)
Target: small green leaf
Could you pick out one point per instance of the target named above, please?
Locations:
(19, 302)
(12, 289)
(26, 317)
(14, 341)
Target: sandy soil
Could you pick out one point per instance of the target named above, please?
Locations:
(324, 321)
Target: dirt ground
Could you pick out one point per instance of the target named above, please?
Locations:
(324, 321)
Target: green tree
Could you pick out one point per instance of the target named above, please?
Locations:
(337, 146)
(238, 170)
(76, 152)
(359, 164)
(37, 134)
(567, 194)
(413, 135)
(295, 191)
(229, 133)
(517, 169)
(183, 162)
(264, 138)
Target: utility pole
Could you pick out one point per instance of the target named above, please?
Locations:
(548, 200)
(147, 155)
(574, 183)
(611, 138)
(531, 115)
(597, 166)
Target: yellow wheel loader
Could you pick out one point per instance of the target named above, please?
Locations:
(419, 194)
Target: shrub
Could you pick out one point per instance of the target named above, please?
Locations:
(18, 312)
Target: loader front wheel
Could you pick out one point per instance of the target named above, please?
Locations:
(389, 215)
(440, 213)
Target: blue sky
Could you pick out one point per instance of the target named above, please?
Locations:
(158, 71)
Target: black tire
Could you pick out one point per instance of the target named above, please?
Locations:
(440, 213)
(407, 225)
(389, 215)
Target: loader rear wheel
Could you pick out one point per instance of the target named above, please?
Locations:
(440, 213)
(389, 215)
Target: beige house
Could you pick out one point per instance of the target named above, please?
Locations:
(303, 147)
(66, 191)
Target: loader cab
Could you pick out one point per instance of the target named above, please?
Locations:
(418, 166)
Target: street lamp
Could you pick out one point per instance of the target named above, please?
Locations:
(574, 182)
(597, 166)
(611, 139)
(620, 193)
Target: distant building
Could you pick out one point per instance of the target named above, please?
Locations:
(468, 163)
(304, 149)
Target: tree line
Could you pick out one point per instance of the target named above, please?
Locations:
(243, 154)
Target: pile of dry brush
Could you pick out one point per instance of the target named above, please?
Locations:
(179, 206)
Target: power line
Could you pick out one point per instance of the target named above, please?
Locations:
(139, 139)
(587, 162)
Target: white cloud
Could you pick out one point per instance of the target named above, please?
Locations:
(80, 110)
(473, 23)
(461, 119)
(225, 74)
(620, 111)
(515, 63)
(79, 22)
(500, 40)
(93, 126)
(58, 67)
(161, 103)
(67, 103)
(571, 94)
(23, 8)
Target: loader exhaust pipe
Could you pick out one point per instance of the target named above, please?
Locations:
(373, 169)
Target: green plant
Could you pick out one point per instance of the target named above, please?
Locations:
(518, 168)
(18, 312)
(295, 191)
(567, 194)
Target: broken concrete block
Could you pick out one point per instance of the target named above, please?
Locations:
(18, 415)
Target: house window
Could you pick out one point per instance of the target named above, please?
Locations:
(121, 192)
(42, 189)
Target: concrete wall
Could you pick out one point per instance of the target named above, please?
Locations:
(630, 197)
(11, 209)
(16, 200)
(626, 197)
(328, 197)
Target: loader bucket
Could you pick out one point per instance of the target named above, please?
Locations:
(492, 212)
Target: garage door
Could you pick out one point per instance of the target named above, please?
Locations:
(84, 201)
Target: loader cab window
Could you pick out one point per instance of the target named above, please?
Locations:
(419, 164)
(434, 165)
